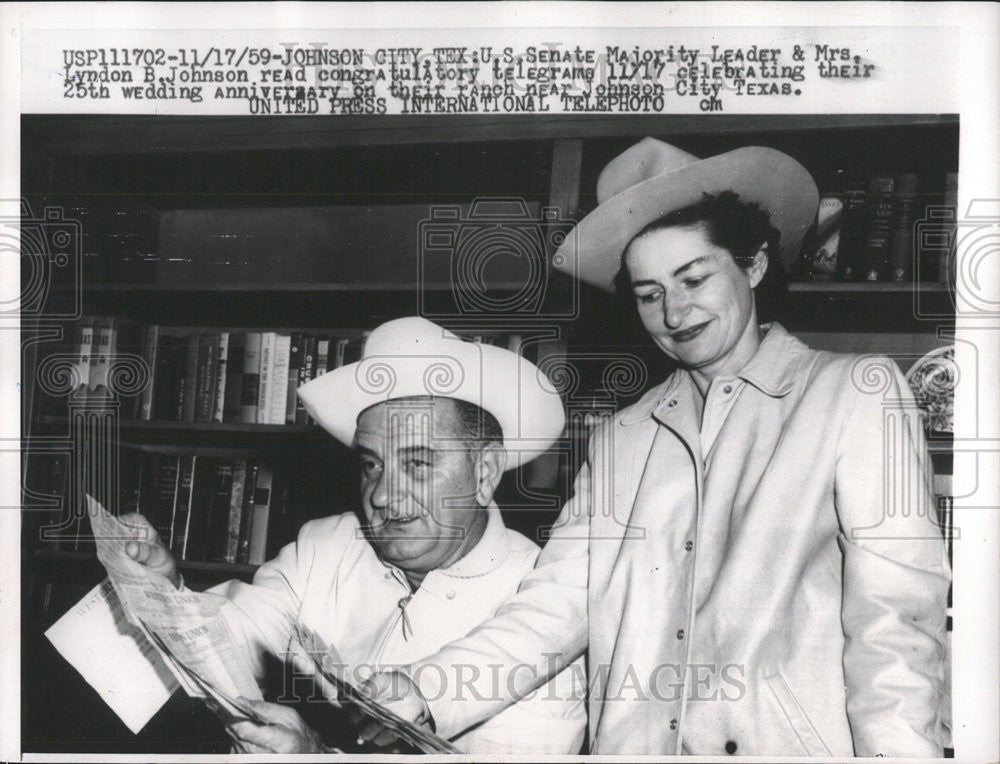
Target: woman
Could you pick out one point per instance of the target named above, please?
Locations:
(749, 557)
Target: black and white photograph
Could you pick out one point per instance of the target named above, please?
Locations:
(506, 380)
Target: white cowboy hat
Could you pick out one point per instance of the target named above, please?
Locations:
(653, 178)
(412, 357)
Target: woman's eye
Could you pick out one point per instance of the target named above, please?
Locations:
(649, 298)
(694, 282)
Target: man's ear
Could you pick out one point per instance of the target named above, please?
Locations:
(758, 267)
(489, 469)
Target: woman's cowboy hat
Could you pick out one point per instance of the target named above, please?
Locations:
(653, 178)
(412, 356)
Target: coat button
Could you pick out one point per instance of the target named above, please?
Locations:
(673, 724)
(730, 746)
(450, 595)
(727, 389)
(688, 546)
(672, 403)
(680, 634)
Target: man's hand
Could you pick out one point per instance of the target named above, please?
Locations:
(152, 553)
(285, 731)
(394, 691)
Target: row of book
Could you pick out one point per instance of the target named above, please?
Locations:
(882, 228)
(217, 376)
(204, 508)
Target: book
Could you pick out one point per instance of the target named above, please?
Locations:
(234, 377)
(129, 344)
(181, 516)
(150, 351)
(102, 346)
(294, 365)
(162, 474)
(279, 379)
(878, 225)
(250, 380)
(189, 395)
(129, 481)
(306, 372)
(261, 511)
(946, 265)
(266, 370)
(322, 356)
(235, 510)
(168, 398)
(217, 524)
(340, 352)
(852, 226)
(206, 377)
(202, 496)
(246, 513)
(83, 343)
(222, 366)
(904, 204)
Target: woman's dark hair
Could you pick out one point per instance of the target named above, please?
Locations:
(740, 228)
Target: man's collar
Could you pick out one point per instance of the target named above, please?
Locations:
(488, 554)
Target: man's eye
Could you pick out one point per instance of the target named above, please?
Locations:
(418, 463)
(369, 467)
(695, 282)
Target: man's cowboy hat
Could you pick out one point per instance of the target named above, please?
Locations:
(413, 357)
(653, 178)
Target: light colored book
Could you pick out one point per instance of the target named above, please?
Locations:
(220, 377)
(280, 357)
(266, 367)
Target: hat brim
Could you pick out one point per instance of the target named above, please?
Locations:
(500, 381)
(774, 181)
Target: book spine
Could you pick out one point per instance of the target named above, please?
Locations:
(190, 389)
(149, 355)
(232, 545)
(182, 507)
(878, 225)
(261, 511)
(266, 368)
(901, 255)
(306, 372)
(246, 514)
(322, 356)
(83, 345)
(295, 353)
(217, 525)
(250, 381)
(208, 359)
(234, 377)
(100, 354)
(946, 265)
(199, 515)
(279, 378)
(852, 228)
(340, 352)
(221, 372)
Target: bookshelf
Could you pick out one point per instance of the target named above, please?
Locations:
(120, 174)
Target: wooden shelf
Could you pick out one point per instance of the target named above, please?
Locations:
(257, 287)
(865, 286)
(124, 134)
(183, 565)
(141, 425)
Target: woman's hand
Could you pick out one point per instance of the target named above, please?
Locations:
(284, 732)
(152, 552)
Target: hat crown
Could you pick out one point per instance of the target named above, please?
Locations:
(646, 159)
(410, 336)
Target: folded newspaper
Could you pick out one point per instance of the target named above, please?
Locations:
(183, 625)
(329, 666)
(195, 643)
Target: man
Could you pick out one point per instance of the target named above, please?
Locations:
(436, 421)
